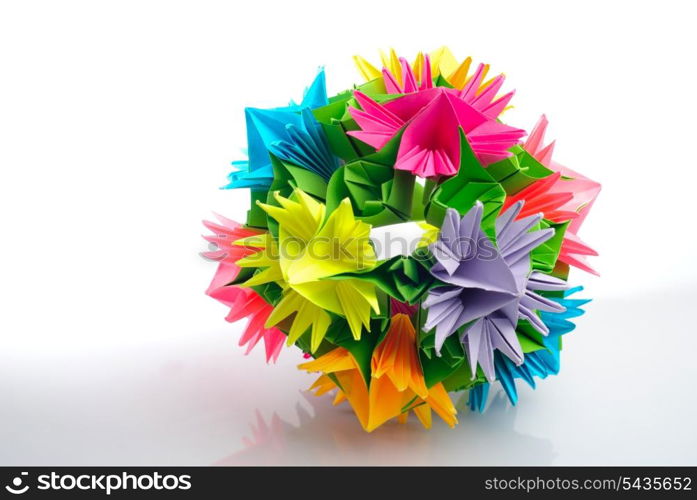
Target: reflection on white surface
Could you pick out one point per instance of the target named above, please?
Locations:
(332, 436)
(625, 396)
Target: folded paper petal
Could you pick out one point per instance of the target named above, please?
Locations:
(311, 250)
(243, 302)
(489, 288)
(382, 400)
(400, 77)
(289, 132)
(575, 193)
(540, 363)
(430, 144)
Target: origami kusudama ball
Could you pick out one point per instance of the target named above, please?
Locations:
(479, 296)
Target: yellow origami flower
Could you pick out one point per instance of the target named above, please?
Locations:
(311, 249)
(443, 62)
(397, 383)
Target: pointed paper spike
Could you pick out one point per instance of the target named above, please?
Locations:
(439, 400)
(391, 84)
(423, 413)
(497, 107)
(459, 77)
(409, 78)
(503, 337)
(469, 91)
(471, 340)
(316, 94)
(367, 70)
(426, 77)
(485, 357)
(486, 84)
(517, 228)
(505, 220)
(418, 65)
(537, 136)
(488, 94)
(536, 302)
(541, 281)
(579, 262)
(384, 59)
(544, 156)
(394, 66)
(444, 61)
(336, 360)
(320, 325)
(375, 109)
(534, 320)
(525, 244)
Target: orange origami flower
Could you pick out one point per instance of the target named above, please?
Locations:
(397, 383)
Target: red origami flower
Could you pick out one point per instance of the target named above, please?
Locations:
(564, 195)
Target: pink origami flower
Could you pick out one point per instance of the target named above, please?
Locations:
(431, 118)
(243, 302)
(565, 195)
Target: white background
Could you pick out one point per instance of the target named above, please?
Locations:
(118, 121)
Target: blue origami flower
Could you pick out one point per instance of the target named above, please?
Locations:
(289, 132)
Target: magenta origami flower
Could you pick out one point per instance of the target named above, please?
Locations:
(431, 117)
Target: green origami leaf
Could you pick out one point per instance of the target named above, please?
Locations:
(335, 125)
(561, 271)
(373, 87)
(304, 341)
(440, 81)
(461, 379)
(530, 339)
(544, 257)
(361, 181)
(437, 368)
(406, 279)
(306, 180)
(518, 171)
(243, 275)
(256, 217)
(288, 176)
(270, 292)
(379, 194)
(336, 120)
(460, 192)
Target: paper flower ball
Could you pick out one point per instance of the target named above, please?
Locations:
(477, 296)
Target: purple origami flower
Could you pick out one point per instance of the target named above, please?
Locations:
(489, 288)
